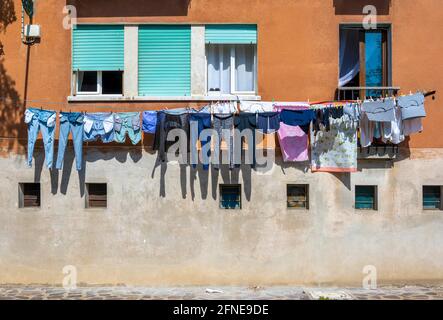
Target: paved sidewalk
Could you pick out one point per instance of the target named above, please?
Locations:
(18, 292)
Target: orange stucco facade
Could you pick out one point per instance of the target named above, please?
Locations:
(298, 47)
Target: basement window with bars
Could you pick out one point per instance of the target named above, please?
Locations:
(29, 195)
(366, 197)
(96, 195)
(432, 198)
(297, 196)
(230, 196)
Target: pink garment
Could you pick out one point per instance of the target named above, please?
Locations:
(279, 106)
(293, 143)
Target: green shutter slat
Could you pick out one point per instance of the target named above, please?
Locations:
(231, 34)
(98, 47)
(164, 60)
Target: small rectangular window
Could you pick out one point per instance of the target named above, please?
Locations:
(366, 197)
(297, 196)
(230, 196)
(96, 195)
(432, 198)
(29, 195)
(100, 82)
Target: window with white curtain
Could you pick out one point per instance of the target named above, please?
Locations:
(231, 69)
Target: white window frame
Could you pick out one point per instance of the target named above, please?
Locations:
(99, 91)
(232, 73)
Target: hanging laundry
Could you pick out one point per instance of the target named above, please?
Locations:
(335, 150)
(412, 106)
(149, 121)
(293, 143)
(165, 123)
(223, 124)
(300, 118)
(44, 121)
(247, 121)
(205, 109)
(352, 110)
(293, 134)
(411, 126)
(393, 131)
(99, 125)
(297, 105)
(380, 110)
(367, 129)
(127, 123)
(256, 106)
(202, 121)
(71, 122)
(224, 107)
(268, 122)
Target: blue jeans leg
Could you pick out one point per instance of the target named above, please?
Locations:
(48, 141)
(33, 128)
(77, 138)
(62, 143)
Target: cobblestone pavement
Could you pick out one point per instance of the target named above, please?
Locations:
(19, 292)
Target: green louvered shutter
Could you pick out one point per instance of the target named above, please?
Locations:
(365, 197)
(164, 60)
(98, 47)
(231, 34)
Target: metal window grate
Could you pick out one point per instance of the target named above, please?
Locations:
(96, 196)
(230, 196)
(297, 196)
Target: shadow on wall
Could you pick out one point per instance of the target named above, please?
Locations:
(11, 109)
(7, 14)
(130, 8)
(355, 7)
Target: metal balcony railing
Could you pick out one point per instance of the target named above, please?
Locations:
(354, 93)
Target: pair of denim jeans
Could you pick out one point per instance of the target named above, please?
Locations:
(44, 121)
(71, 122)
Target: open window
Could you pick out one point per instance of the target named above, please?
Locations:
(99, 82)
(365, 62)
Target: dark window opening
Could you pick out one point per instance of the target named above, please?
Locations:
(29, 195)
(87, 81)
(96, 196)
(230, 196)
(112, 82)
(432, 198)
(297, 196)
(366, 197)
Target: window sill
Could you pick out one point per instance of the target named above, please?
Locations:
(98, 98)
